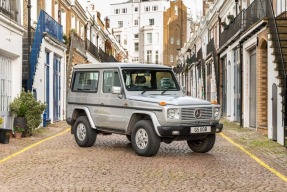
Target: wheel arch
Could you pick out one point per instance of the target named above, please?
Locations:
(83, 111)
(143, 115)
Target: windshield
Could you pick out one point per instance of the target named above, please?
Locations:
(149, 79)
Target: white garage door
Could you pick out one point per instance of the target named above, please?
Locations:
(5, 85)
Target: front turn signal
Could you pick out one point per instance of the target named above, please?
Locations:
(162, 103)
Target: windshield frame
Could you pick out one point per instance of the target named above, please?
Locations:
(153, 82)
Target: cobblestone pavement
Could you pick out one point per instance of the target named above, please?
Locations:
(111, 165)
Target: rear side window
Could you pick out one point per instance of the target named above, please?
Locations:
(85, 81)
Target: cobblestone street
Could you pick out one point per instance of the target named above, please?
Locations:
(59, 164)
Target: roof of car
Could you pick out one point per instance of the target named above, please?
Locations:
(118, 65)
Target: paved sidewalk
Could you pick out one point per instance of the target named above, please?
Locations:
(15, 145)
(257, 143)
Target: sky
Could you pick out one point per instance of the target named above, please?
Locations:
(194, 6)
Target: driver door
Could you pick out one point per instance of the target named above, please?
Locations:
(112, 106)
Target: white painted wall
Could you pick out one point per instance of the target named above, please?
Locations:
(9, 48)
(11, 38)
(129, 29)
(40, 82)
(48, 7)
(272, 79)
(34, 16)
(247, 46)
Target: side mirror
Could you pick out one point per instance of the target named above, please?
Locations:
(116, 90)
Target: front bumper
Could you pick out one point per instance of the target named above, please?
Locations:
(185, 130)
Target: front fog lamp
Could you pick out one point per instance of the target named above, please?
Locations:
(216, 112)
(170, 113)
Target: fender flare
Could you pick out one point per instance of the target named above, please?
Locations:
(87, 111)
(153, 117)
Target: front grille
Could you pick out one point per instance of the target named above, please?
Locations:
(188, 114)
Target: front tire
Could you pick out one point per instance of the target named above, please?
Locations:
(84, 135)
(145, 141)
(202, 145)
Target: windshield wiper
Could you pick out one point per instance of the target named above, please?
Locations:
(164, 91)
(143, 92)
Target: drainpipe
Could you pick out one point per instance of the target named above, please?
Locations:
(29, 83)
(218, 65)
(236, 7)
(241, 80)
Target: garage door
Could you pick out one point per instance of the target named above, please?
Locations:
(5, 89)
(252, 90)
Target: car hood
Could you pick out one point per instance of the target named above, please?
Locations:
(169, 99)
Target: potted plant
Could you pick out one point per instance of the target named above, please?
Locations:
(19, 108)
(18, 132)
(26, 107)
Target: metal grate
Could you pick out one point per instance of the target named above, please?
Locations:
(187, 114)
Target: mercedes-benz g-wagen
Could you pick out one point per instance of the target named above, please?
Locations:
(142, 101)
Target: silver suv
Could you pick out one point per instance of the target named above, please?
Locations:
(134, 100)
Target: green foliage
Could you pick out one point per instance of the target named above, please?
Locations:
(18, 129)
(26, 106)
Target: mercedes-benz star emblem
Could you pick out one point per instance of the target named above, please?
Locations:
(197, 113)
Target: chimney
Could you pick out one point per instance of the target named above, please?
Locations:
(107, 22)
(98, 14)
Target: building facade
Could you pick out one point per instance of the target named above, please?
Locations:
(243, 66)
(142, 27)
(11, 30)
(174, 31)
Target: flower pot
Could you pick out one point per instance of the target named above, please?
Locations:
(21, 122)
(18, 135)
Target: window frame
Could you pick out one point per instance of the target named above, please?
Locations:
(149, 39)
(124, 10)
(136, 22)
(151, 21)
(84, 91)
(113, 71)
(117, 11)
(136, 46)
(120, 25)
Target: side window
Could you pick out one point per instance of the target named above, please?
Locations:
(85, 81)
(111, 78)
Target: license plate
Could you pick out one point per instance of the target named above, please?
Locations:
(204, 129)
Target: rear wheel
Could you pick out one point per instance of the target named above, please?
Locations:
(145, 141)
(202, 145)
(85, 136)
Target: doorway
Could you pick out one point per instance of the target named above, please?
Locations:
(56, 87)
(274, 112)
(252, 89)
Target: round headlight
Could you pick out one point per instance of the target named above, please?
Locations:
(170, 113)
(216, 112)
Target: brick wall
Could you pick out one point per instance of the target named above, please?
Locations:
(177, 29)
(25, 14)
(262, 80)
